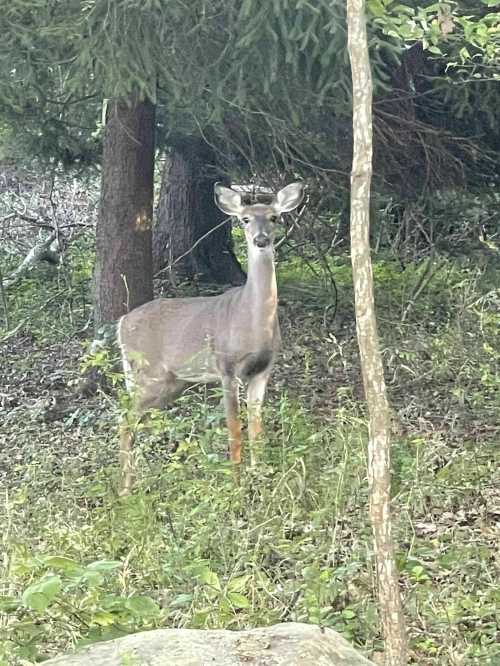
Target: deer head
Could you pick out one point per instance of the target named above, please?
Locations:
(259, 220)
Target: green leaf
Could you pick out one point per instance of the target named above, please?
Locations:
(376, 7)
(40, 595)
(464, 54)
(103, 619)
(142, 606)
(210, 578)
(91, 578)
(62, 563)
(104, 565)
(238, 600)
(238, 584)
(418, 573)
(181, 600)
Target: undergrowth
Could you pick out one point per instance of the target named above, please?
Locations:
(293, 542)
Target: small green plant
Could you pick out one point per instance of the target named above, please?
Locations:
(293, 542)
(62, 588)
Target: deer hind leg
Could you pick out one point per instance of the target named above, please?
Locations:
(150, 392)
(255, 397)
(128, 425)
(127, 475)
(232, 409)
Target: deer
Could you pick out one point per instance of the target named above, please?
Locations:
(170, 343)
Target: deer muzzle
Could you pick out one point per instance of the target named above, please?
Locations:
(262, 240)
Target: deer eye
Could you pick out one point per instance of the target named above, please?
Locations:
(274, 218)
(245, 220)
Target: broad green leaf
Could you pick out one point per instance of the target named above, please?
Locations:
(91, 578)
(238, 600)
(113, 602)
(103, 619)
(238, 584)
(418, 573)
(40, 595)
(181, 600)
(104, 565)
(35, 600)
(210, 578)
(376, 7)
(50, 586)
(59, 562)
(142, 606)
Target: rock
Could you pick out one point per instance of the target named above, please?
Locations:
(290, 644)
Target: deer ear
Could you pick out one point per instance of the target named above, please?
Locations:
(289, 197)
(227, 200)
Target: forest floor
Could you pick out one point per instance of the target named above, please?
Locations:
(188, 548)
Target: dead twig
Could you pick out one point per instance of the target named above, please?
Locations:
(423, 282)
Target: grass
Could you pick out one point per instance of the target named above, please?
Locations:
(189, 549)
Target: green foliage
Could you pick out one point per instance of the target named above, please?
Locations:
(168, 558)
(266, 83)
(104, 357)
(50, 301)
(75, 591)
(190, 549)
(37, 86)
(468, 30)
(463, 40)
(198, 60)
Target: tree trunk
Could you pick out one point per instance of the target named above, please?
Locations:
(186, 212)
(366, 324)
(123, 276)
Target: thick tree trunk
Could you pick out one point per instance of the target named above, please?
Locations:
(123, 275)
(186, 212)
(371, 361)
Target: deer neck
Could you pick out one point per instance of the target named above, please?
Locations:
(261, 292)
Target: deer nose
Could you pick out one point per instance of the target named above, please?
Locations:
(262, 240)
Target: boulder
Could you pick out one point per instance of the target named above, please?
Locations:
(290, 644)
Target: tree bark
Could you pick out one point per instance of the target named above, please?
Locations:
(123, 276)
(186, 212)
(371, 361)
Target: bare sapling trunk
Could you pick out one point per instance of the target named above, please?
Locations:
(371, 361)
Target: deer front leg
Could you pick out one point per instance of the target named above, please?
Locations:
(232, 409)
(126, 463)
(255, 398)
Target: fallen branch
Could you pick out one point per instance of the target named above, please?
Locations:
(41, 252)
